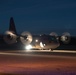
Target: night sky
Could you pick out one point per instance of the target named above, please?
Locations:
(39, 16)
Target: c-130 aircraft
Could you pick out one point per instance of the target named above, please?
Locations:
(29, 41)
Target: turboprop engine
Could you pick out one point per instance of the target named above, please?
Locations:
(65, 38)
(54, 34)
(26, 38)
(10, 37)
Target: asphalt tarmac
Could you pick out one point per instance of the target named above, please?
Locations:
(35, 62)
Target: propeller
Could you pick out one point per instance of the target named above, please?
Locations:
(66, 37)
(54, 34)
(10, 37)
(26, 38)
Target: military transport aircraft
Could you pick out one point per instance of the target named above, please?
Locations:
(29, 41)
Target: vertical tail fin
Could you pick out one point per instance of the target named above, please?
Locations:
(12, 26)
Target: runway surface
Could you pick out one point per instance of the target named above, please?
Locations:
(35, 62)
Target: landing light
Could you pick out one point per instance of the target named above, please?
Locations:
(36, 40)
(28, 47)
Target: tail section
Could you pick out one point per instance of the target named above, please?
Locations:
(12, 26)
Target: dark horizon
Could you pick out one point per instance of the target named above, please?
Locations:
(37, 17)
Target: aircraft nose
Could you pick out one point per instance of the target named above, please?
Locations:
(56, 42)
(55, 45)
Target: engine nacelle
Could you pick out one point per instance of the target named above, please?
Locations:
(26, 38)
(65, 38)
(10, 37)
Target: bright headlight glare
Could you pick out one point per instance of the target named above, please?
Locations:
(28, 47)
(36, 40)
(41, 44)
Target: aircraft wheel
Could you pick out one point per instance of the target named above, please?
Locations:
(51, 49)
